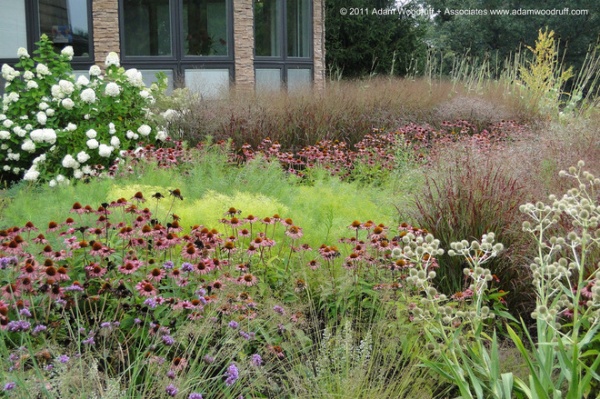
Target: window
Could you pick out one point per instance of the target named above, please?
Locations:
(298, 28)
(66, 23)
(148, 28)
(267, 31)
(205, 27)
(191, 38)
(283, 44)
(13, 32)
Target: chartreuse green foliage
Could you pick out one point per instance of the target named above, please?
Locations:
(543, 77)
(55, 127)
(209, 189)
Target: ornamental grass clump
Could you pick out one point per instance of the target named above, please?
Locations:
(54, 127)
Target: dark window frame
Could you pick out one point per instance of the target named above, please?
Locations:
(32, 22)
(283, 61)
(178, 61)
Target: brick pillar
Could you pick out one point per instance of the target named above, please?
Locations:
(319, 44)
(243, 33)
(105, 14)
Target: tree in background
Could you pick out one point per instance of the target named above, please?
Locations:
(367, 44)
(500, 36)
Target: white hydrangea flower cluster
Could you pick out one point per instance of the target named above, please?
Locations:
(75, 111)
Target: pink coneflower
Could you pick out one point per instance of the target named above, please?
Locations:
(242, 267)
(94, 270)
(156, 274)
(138, 197)
(26, 284)
(69, 222)
(229, 246)
(247, 279)
(52, 226)
(251, 219)
(145, 288)
(60, 255)
(462, 295)
(329, 252)
(294, 232)
(40, 239)
(217, 285)
(356, 225)
(78, 209)
(62, 274)
(244, 233)
(287, 222)
(202, 267)
(96, 249)
(314, 264)
(55, 292)
(251, 250)
(29, 269)
(10, 291)
(172, 239)
(29, 226)
(129, 267)
(121, 202)
(267, 220)
(126, 232)
(235, 222)
(12, 248)
(147, 231)
(190, 252)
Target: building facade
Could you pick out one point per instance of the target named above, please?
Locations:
(208, 46)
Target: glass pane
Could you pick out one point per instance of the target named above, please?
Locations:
(66, 24)
(12, 28)
(147, 27)
(209, 83)
(268, 79)
(205, 27)
(298, 28)
(267, 37)
(299, 79)
(149, 77)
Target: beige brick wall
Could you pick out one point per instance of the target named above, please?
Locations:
(106, 28)
(319, 44)
(243, 31)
